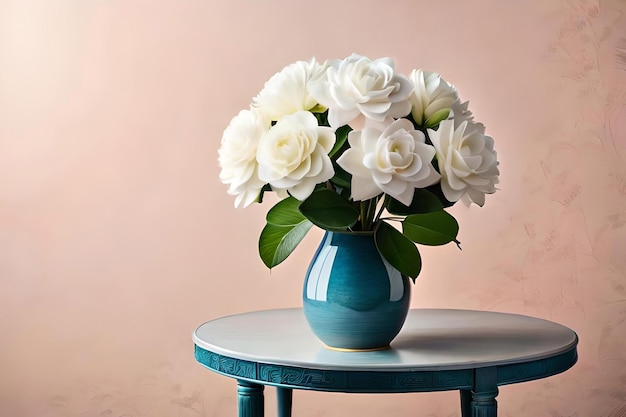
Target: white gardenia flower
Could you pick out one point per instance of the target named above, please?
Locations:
(394, 160)
(287, 92)
(237, 157)
(467, 161)
(433, 98)
(460, 113)
(293, 154)
(359, 86)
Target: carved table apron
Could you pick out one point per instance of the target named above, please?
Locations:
(437, 350)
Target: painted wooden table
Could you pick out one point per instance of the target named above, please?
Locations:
(437, 350)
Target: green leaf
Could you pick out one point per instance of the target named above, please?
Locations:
(322, 117)
(342, 178)
(423, 202)
(329, 210)
(285, 213)
(435, 189)
(286, 227)
(276, 243)
(341, 134)
(437, 117)
(398, 250)
(437, 228)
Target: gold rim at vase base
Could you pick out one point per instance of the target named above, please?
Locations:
(336, 349)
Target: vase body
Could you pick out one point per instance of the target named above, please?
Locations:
(353, 299)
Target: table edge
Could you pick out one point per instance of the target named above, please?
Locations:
(379, 381)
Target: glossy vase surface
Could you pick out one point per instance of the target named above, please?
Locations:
(353, 299)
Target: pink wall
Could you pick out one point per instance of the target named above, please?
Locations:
(117, 239)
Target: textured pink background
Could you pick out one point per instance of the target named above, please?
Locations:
(117, 239)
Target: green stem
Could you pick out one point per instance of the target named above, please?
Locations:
(363, 214)
(372, 212)
(368, 213)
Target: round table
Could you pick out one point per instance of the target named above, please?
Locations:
(438, 349)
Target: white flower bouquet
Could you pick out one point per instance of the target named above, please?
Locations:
(352, 145)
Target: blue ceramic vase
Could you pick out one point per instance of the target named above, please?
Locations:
(353, 299)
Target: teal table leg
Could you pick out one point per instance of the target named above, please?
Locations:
(285, 398)
(484, 394)
(250, 399)
(466, 403)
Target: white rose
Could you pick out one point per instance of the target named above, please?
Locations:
(293, 154)
(467, 161)
(394, 160)
(433, 98)
(359, 86)
(287, 91)
(237, 157)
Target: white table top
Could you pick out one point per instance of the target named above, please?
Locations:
(431, 340)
